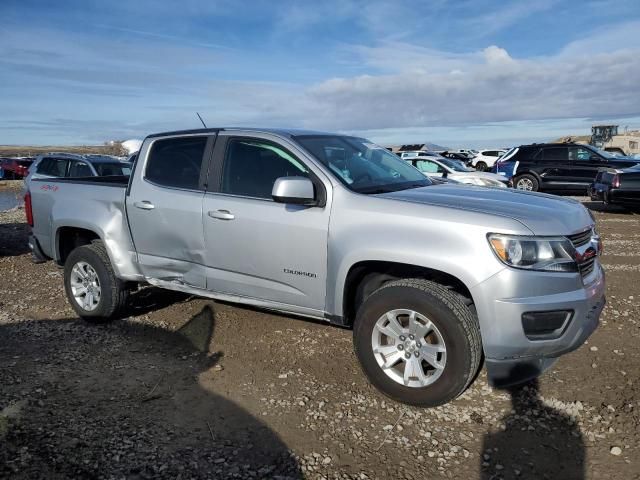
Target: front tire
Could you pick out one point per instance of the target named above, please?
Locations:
(92, 288)
(481, 166)
(417, 342)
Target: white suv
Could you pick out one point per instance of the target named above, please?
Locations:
(486, 158)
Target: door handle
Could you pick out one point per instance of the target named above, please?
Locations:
(221, 214)
(144, 205)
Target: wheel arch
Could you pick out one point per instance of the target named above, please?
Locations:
(533, 173)
(366, 276)
(68, 238)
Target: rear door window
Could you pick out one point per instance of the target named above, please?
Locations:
(176, 162)
(555, 154)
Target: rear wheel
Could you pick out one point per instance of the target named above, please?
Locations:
(481, 166)
(527, 182)
(417, 342)
(92, 288)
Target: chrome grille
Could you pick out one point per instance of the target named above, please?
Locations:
(587, 266)
(580, 239)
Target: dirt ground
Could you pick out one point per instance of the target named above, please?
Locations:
(189, 388)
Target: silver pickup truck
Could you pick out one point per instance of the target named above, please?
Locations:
(432, 278)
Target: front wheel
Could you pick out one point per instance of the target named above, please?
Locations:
(417, 342)
(92, 288)
(481, 166)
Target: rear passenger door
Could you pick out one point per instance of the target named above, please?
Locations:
(164, 208)
(553, 166)
(255, 247)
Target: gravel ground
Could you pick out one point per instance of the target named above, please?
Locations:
(189, 388)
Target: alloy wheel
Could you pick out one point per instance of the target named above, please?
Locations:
(409, 348)
(85, 286)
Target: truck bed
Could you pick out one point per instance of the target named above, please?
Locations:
(110, 181)
(83, 202)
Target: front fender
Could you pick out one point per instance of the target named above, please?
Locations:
(448, 240)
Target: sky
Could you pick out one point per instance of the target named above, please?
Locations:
(476, 73)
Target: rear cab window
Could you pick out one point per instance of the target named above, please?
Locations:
(176, 162)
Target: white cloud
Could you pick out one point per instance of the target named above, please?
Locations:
(443, 89)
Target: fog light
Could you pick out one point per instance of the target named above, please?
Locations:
(546, 325)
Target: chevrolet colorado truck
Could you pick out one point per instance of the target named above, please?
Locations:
(433, 279)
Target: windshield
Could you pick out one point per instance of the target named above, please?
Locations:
(455, 165)
(606, 154)
(362, 166)
(108, 169)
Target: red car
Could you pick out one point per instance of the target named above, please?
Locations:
(16, 167)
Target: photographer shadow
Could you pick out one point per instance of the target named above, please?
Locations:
(538, 441)
(124, 400)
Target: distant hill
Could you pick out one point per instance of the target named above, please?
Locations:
(574, 138)
(32, 151)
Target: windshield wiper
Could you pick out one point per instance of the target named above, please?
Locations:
(374, 190)
(392, 188)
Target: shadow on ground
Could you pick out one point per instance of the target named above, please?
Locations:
(539, 442)
(604, 208)
(123, 400)
(13, 239)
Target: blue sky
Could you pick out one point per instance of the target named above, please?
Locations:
(454, 72)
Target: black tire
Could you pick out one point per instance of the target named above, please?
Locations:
(113, 295)
(524, 179)
(453, 318)
(481, 166)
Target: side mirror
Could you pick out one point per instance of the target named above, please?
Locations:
(294, 190)
(594, 158)
(445, 174)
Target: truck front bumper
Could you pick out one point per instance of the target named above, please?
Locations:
(514, 355)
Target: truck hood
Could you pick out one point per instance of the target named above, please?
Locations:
(541, 213)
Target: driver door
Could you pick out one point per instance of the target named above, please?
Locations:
(255, 247)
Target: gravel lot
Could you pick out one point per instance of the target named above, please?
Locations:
(189, 388)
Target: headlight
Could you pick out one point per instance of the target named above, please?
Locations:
(534, 253)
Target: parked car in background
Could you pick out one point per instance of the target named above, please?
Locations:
(506, 166)
(455, 170)
(485, 159)
(417, 153)
(617, 187)
(433, 279)
(16, 167)
(561, 166)
(62, 165)
(465, 158)
(468, 151)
